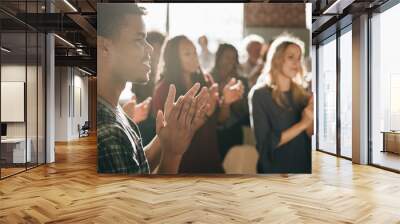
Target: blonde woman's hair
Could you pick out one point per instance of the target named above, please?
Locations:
(272, 66)
(297, 83)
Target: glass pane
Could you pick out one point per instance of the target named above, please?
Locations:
(346, 94)
(327, 97)
(13, 87)
(31, 98)
(41, 98)
(385, 85)
(31, 89)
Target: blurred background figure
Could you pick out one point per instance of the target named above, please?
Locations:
(256, 49)
(206, 58)
(232, 115)
(182, 68)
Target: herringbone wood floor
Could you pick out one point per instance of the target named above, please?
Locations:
(70, 191)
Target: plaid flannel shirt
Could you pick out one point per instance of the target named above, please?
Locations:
(119, 146)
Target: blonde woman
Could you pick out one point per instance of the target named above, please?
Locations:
(282, 111)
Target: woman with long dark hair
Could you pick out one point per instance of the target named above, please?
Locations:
(181, 67)
(232, 116)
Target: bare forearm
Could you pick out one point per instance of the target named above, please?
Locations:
(153, 153)
(310, 130)
(291, 133)
(224, 113)
(170, 164)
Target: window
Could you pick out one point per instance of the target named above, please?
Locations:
(385, 88)
(394, 102)
(327, 96)
(346, 94)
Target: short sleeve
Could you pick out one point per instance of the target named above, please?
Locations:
(267, 139)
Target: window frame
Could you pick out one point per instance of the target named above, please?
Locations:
(333, 37)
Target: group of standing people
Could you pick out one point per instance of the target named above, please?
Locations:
(265, 92)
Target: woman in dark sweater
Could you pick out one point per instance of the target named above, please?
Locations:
(232, 116)
(182, 68)
(282, 111)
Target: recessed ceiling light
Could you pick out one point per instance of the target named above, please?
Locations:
(64, 40)
(84, 71)
(70, 5)
(5, 50)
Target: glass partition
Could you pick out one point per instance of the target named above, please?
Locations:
(22, 91)
(31, 98)
(327, 96)
(14, 153)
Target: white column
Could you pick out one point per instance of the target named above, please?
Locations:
(50, 93)
(360, 90)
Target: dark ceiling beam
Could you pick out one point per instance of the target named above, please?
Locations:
(321, 22)
(49, 22)
(91, 5)
(78, 61)
(87, 51)
(16, 18)
(86, 27)
(328, 18)
(331, 30)
(11, 25)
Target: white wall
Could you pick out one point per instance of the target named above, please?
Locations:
(12, 73)
(16, 73)
(61, 103)
(69, 82)
(80, 83)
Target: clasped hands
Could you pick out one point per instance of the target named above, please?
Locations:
(231, 92)
(177, 124)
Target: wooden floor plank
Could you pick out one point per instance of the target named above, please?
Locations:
(70, 191)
